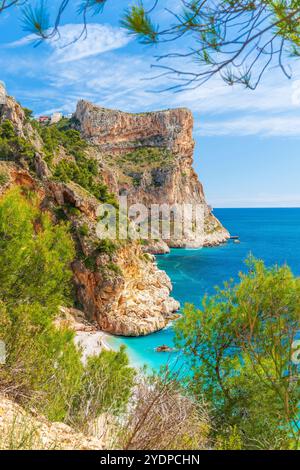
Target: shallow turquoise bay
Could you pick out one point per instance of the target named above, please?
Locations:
(270, 234)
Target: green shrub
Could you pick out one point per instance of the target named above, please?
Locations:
(12, 146)
(72, 210)
(28, 114)
(60, 134)
(106, 386)
(3, 178)
(115, 268)
(90, 263)
(34, 253)
(44, 369)
(84, 230)
(43, 365)
(148, 155)
(106, 246)
(82, 170)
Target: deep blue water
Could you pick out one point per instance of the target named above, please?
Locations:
(270, 234)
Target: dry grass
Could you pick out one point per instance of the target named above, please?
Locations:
(163, 417)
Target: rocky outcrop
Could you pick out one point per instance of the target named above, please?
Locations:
(124, 291)
(168, 180)
(134, 301)
(22, 430)
(13, 112)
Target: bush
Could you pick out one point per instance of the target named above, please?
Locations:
(147, 156)
(3, 178)
(106, 246)
(12, 146)
(34, 254)
(28, 114)
(43, 367)
(164, 417)
(84, 230)
(115, 268)
(82, 170)
(106, 386)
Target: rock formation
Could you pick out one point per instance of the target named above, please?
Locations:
(165, 177)
(25, 430)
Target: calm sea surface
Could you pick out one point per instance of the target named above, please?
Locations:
(270, 234)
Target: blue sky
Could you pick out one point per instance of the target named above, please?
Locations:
(247, 142)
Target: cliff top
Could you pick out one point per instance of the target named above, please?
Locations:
(144, 113)
(118, 132)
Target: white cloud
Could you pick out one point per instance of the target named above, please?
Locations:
(99, 39)
(275, 94)
(259, 124)
(66, 47)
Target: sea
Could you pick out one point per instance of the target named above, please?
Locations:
(271, 234)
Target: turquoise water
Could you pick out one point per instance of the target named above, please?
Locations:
(270, 234)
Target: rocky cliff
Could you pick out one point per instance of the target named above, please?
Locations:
(145, 156)
(148, 157)
(116, 284)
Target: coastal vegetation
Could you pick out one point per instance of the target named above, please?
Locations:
(75, 165)
(145, 157)
(43, 367)
(243, 389)
(239, 346)
(12, 146)
(131, 166)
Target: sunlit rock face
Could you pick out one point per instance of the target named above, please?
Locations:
(148, 157)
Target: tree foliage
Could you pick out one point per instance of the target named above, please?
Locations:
(240, 348)
(34, 254)
(37, 20)
(237, 40)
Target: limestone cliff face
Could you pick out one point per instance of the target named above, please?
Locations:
(168, 178)
(117, 131)
(11, 110)
(132, 302)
